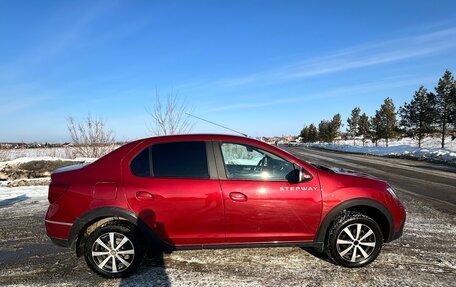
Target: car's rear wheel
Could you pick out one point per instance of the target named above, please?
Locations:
(354, 240)
(113, 250)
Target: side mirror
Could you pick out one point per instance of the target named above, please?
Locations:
(298, 175)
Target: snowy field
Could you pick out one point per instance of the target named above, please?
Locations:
(60, 152)
(405, 147)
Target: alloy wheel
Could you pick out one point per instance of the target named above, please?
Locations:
(113, 252)
(356, 242)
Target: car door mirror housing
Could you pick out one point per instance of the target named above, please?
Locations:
(298, 175)
(293, 176)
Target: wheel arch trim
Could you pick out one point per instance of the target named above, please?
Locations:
(355, 202)
(96, 214)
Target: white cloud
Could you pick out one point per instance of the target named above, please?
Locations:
(354, 57)
(384, 84)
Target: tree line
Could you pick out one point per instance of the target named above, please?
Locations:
(427, 113)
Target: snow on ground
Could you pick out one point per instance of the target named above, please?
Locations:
(13, 195)
(61, 152)
(25, 182)
(405, 147)
(435, 154)
(57, 152)
(428, 142)
(424, 256)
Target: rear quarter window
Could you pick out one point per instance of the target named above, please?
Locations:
(140, 165)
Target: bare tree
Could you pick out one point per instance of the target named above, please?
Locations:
(170, 117)
(90, 137)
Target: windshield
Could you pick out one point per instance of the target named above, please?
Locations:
(320, 167)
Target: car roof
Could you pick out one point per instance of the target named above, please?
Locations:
(213, 137)
(200, 137)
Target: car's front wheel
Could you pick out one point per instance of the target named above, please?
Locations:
(113, 250)
(354, 240)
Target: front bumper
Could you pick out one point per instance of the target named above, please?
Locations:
(398, 233)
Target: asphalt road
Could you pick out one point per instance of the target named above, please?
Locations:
(434, 182)
(424, 256)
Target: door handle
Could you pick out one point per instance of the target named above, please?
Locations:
(144, 195)
(238, 196)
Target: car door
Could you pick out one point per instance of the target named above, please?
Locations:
(174, 188)
(261, 205)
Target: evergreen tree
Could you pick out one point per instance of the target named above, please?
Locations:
(329, 130)
(335, 125)
(304, 134)
(418, 117)
(445, 103)
(385, 121)
(313, 133)
(375, 129)
(364, 125)
(453, 111)
(324, 131)
(353, 124)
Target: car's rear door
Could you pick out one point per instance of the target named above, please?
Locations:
(261, 205)
(174, 188)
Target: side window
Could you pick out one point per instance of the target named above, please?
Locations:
(180, 159)
(140, 165)
(247, 162)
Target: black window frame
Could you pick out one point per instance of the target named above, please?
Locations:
(221, 167)
(210, 161)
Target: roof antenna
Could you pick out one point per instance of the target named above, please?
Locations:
(217, 124)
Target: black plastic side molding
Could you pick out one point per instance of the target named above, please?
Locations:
(97, 214)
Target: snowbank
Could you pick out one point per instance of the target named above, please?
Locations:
(21, 160)
(428, 142)
(35, 167)
(54, 152)
(26, 182)
(407, 151)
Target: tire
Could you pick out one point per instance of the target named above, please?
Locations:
(128, 250)
(354, 240)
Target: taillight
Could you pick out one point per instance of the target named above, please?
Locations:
(56, 190)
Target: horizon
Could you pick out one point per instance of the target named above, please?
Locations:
(264, 69)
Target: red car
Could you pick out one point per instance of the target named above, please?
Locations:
(215, 191)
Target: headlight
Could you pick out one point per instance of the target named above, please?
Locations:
(391, 191)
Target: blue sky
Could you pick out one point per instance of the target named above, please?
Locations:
(262, 67)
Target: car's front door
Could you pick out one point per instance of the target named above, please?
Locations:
(173, 187)
(261, 205)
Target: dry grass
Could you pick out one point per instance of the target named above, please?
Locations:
(4, 154)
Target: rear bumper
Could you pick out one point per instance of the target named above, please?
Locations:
(60, 242)
(57, 230)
